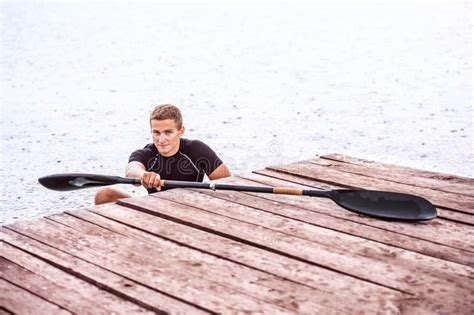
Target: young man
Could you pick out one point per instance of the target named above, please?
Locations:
(169, 157)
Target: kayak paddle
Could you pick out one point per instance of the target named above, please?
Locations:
(374, 203)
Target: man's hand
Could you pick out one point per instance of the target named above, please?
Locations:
(150, 180)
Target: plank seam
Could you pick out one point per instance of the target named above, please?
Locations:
(423, 173)
(329, 182)
(73, 228)
(279, 170)
(35, 294)
(453, 219)
(164, 238)
(97, 283)
(348, 233)
(206, 252)
(2, 308)
(385, 178)
(238, 239)
(439, 217)
(338, 185)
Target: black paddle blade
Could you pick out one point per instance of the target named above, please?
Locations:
(65, 182)
(385, 205)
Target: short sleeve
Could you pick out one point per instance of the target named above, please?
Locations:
(142, 155)
(204, 157)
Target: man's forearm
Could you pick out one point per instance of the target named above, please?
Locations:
(135, 170)
(148, 179)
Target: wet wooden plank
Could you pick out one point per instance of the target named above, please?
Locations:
(4, 311)
(58, 287)
(20, 301)
(430, 282)
(321, 173)
(198, 251)
(401, 174)
(123, 287)
(353, 294)
(288, 179)
(290, 295)
(444, 232)
(174, 273)
(347, 243)
(318, 212)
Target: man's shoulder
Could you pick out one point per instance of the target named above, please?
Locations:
(143, 153)
(149, 147)
(190, 145)
(187, 141)
(201, 154)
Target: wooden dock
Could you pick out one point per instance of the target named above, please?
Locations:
(190, 251)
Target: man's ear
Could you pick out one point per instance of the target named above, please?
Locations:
(181, 131)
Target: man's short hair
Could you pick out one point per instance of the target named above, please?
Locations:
(167, 111)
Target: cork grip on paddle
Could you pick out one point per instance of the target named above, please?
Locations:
(287, 191)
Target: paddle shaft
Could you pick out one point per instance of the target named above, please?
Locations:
(75, 181)
(259, 189)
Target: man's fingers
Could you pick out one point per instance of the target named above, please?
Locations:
(150, 180)
(146, 180)
(156, 182)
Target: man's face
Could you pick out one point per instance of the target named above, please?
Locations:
(166, 136)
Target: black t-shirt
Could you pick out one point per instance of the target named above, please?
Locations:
(193, 159)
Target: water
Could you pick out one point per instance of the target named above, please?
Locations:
(260, 84)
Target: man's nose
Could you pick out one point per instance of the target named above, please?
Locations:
(161, 138)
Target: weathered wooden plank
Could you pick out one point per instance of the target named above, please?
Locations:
(26, 279)
(174, 273)
(4, 311)
(19, 300)
(118, 285)
(290, 295)
(407, 175)
(349, 244)
(352, 296)
(248, 252)
(424, 281)
(286, 179)
(58, 287)
(266, 202)
(320, 173)
(450, 178)
(452, 234)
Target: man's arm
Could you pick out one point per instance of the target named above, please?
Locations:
(220, 172)
(137, 170)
